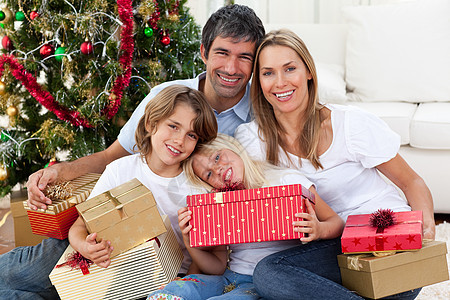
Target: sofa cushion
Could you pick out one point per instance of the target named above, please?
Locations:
(331, 83)
(430, 126)
(397, 115)
(399, 52)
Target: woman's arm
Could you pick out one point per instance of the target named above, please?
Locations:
(413, 186)
(209, 260)
(320, 223)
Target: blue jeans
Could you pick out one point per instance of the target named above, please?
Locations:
(198, 286)
(308, 271)
(24, 271)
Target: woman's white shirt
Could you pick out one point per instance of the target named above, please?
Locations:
(349, 182)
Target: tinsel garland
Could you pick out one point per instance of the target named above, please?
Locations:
(125, 9)
(122, 81)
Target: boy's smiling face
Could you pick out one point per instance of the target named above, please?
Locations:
(173, 141)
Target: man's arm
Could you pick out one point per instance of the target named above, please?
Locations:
(94, 163)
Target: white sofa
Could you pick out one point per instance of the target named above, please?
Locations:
(361, 63)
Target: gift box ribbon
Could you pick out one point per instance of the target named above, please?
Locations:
(113, 199)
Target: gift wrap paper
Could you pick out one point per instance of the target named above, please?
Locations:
(131, 275)
(23, 236)
(246, 216)
(126, 215)
(56, 220)
(377, 277)
(360, 237)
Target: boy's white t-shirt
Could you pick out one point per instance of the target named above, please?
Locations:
(170, 193)
(244, 257)
(349, 181)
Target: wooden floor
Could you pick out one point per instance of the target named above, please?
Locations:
(7, 229)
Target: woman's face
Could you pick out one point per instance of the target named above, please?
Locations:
(220, 168)
(284, 79)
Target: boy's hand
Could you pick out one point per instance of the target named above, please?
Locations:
(184, 216)
(309, 225)
(99, 253)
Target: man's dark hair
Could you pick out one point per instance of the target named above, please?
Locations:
(238, 22)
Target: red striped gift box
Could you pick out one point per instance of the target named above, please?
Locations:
(246, 216)
(56, 220)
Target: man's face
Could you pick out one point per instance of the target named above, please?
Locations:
(229, 68)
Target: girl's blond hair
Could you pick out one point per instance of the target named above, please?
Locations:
(254, 170)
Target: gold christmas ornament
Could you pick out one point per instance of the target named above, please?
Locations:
(8, 15)
(3, 172)
(173, 17)
(12, 111)
(2, 88)
(112, 97)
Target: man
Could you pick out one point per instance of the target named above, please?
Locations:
(229, 41)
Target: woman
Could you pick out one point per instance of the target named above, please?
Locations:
(339, 148)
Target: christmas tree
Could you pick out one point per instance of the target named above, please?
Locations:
(72, 72)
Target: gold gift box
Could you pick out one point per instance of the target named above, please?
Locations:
(23, 236)
(126, 215)
(132, 275)
(377, 277)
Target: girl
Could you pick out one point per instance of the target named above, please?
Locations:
(176, 121)
(217, 164)
(341, 149)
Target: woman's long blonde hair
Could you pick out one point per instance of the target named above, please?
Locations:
(254, 171)
(270, 130)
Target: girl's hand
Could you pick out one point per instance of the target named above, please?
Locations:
(99, 253)
(184, 216)
(309, 225)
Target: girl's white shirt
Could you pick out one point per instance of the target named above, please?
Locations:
(170, 193)
(244, 257)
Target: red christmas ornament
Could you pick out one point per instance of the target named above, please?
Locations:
(46, 50)
(34, 15)
(165, 40)
(7, 43)
(87, 48)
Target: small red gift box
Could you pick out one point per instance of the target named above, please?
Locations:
(246, 216)
(56, 220)
(361, 237)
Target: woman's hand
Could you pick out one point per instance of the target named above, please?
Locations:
(310, 224)
(184, 216)
(99, 253)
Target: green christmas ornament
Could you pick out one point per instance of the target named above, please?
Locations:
(20, 16)
(148, 32)
(4, 137)
(2, 25)
(2, 15)
(59, 53)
